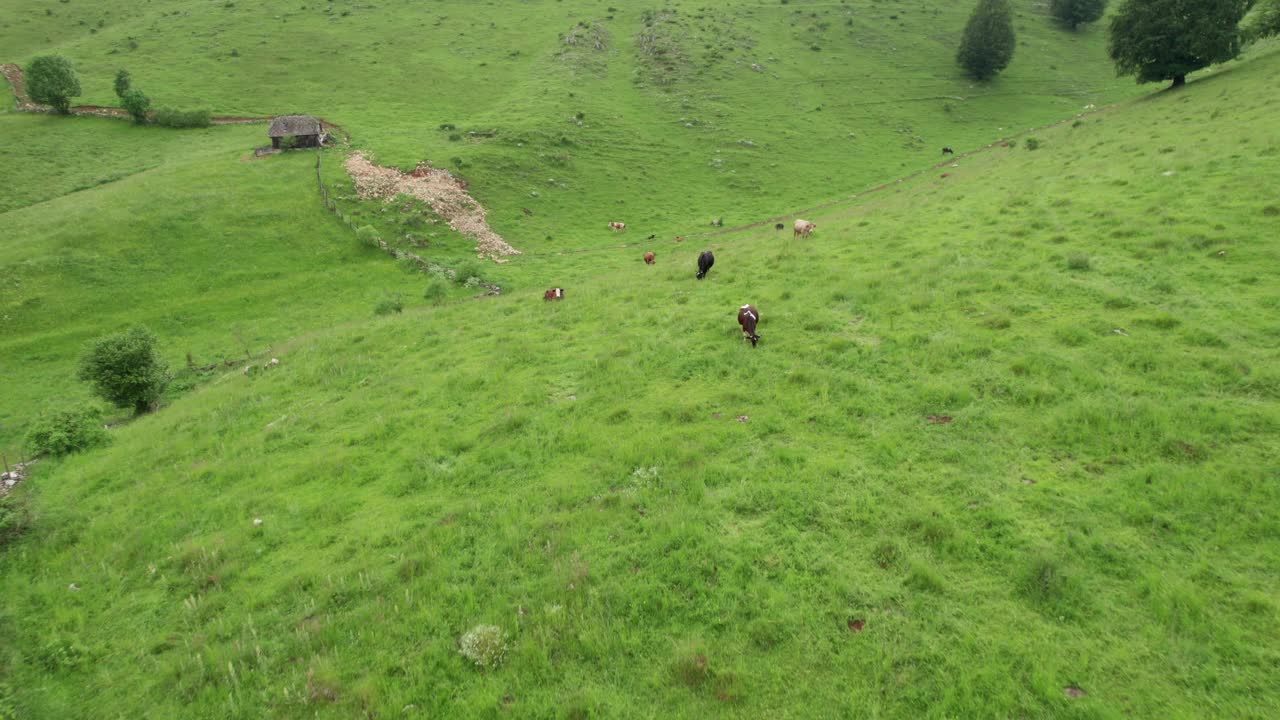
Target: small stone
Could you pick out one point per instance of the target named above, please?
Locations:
(257, 522)
(73, 586)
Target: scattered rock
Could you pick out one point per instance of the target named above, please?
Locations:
(939, 419)
(856, 625)
(1072, 692)
(1027, 481)
(73, 586)
(1120, 331)
(257, 522)
(743, 418)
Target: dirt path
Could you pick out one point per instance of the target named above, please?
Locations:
(445, 194)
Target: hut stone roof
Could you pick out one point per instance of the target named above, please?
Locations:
(283, 125)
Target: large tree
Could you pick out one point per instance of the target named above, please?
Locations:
(988, 42)
(1158, 40)
(1074, 13)
(52, 81)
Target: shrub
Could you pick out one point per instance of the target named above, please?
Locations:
(368, 235)
(466, 271)
(484, 645)
(1033, 144)
(181, 119)
(1078, 261)
(64, 431)
(1074, 13)
(52, 80)
(123, 83)
(136, 104)
(125, 370)
(435, 292)
(14, 518)
(389, 304)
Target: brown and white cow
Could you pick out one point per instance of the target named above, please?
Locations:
(553, 294)
(748, 316)
(616, 226)
(648, 258)
(803, 228)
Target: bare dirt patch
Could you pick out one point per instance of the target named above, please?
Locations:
(446, 195)
(1072, 692)
(856, 625)
(939, 419)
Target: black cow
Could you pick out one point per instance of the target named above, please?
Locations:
(948, 151)
(779, 226)
(705, 261)
(748, 316)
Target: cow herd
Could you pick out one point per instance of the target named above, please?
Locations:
(748, 316)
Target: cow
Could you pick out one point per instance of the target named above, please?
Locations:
(679, 239)
(648, 258)
(553, 294)
(948, 151)
(616, 226)
(748, 316)
(779, 226)
(705, 261)
(803, 228)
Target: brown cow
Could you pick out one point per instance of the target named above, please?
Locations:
(803, 228)
(553, 294)
(748, 316)
(648, 258)
(616, 226)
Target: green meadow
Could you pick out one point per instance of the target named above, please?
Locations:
(1007, 447)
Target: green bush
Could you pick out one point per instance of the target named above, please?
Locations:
(988, 42)
(125, 370)
(14, 518)
(435, 292)
(466, 271)
(64, 431)
(52, 81)
(389, 304)
(368, 235)
(172, 118)
(1079, 261)
(1033, 144)
(123, 83)
(136, 104)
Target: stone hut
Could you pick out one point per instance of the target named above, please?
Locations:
(305, 130)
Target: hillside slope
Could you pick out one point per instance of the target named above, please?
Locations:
(1007, 448)
(686, 113)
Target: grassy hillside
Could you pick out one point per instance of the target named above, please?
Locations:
(686, 113)
(1009, 432)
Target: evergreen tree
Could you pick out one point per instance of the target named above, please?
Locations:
(52, 81)
(1074, 13)
(988, 42)
(1157, 40)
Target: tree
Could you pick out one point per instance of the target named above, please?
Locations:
(1264, 23)
(52, 81)
(136, 104)
(124, 83)
(988, 42)
(125, 370)
(1157, 40)
(1074, 13)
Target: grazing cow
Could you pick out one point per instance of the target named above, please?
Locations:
(948, 151)
(648, 258)
(553, 294)
(679, 239)
(779, 226)
(748, 316)
(803, 228)
(705, 261)
(616, 226)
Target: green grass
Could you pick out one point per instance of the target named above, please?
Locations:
(667, 143)
(1100, 512)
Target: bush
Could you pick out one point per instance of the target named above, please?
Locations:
(466, 271)
(14, 519)
(125, 370)
(389, 304)
(1033, 144)
(436, 292)
(484, 645)
(51, 80)
(136, 104)
(1074, 13)
(1078, 261)
(368, 235)
(181, 119)
(123, 83)
(62, 432)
